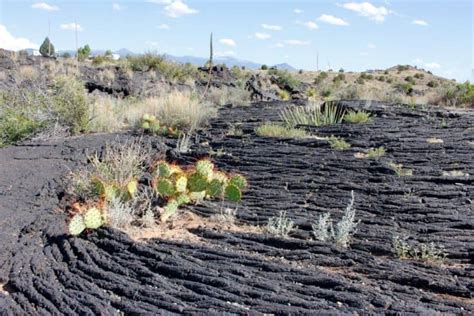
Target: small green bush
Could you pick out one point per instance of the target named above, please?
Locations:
(276, 130)
(338, 143)
(321, 77)
(358, 117)
(340, 77)
(419, 75)
(264, 67)
(16, 126)
(432, 84)
(406, 88)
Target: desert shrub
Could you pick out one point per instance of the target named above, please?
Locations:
(410, 80)
(281, 225)
(328, 114)
(285, 79)
(323, 229)
(458, 95)
(264, 67)
(276, 130)
(358, 117)
(386, 72)
(321, 77)
(401, 68)
(419, 75)
(70, 104)
(430, 252)
(405, 88)
(28, 73)
(375, 152)
(366, 76)
(301, 71)
(226, 95)
(432, 84)
(381, 78)
(338, 143)
(360, 80)
(284, 95)
(83, 53)
(350, 92)
(145, 62)
(340, 77)
(341, 70)
(101, 59)
(326, 93)
(389, 80)
(240, 74)
(311, 92)
(399, 170)
(16, 125)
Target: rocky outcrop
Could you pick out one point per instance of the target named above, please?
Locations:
(45, 271)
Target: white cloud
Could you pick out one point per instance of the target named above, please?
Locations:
(117, 7)
(330, 19)
(298, 11)
(228, 42)
(279, 45)
(433, 65)
(297, 42)
(368, 10)
(417, 61)
(311, 25)
(420, 22)
(163, 26)
(44, 6)
(226, 53)
(262, 36)
(371, 46)
(272, 27)
(178, 8)
(8, 41)
(71, 27)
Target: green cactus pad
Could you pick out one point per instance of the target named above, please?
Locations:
(197, 196)
(164, 169)
(111, 192)
(76, 225)
(233, 193)
(132, 188)
(215, 188)
(204, 167)
(183, 199)
(149, 118)
(155, 127)
(145, 125)
(197, 183)
(170, 209)
(221, 176)
(165, 187)
(93, 218)
(239, 181)
(181, 183)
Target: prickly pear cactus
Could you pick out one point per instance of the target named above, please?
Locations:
(239, 181)
(145, 125)
(215, 188)
(93, 218)
(132, 188)
(181, 183)
(111, 192)
(233, 193)
(170, 209)
(221, 176)
(183, 199)
(164, 169)
(165, 187)
(205, 167)
(197, 196)
(197, 182)
(76, 225)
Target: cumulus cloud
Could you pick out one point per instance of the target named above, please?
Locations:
(262, 36)
(420, 22)
(178, 8)
(311, 25)
(44, 6)
(297, 42)
(163, 26)
(71, 27)
(227, 41)
(298, 11)
(272, 27)
(279, 45)
(117, 7)
(330, 19)
(160, 1)
(368, 10)
(10, 42)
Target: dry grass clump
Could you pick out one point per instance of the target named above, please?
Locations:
(338, 143)
(276, 130)
(358, 117)
(224, 96)
(28, 73)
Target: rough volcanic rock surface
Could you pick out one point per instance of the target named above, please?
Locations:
(47, 272)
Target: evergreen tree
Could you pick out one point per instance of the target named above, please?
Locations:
(47, 48)
(83, 53)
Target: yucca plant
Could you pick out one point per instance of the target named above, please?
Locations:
(327, 114)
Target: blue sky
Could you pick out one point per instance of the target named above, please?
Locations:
(354, 35)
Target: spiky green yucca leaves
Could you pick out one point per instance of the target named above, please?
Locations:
(76, 225)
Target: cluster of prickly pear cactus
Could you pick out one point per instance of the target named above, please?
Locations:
(91, 218)
(202, 181)
(150, 123)
(110, 191)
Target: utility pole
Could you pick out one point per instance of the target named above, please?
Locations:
(49, 37)
(317, 60)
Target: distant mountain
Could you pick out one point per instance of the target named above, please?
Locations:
(285, 66)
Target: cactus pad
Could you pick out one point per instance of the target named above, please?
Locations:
(215, 188)
(239, 181)
(233, 193)
(132, 188)
(165, 187)
(76, 225)
(145, 125)
(93, 218)
(197, 182)
(181, 183)
(204, 167)
(183, 199)
(169, 210)
(197, 196)
(221, 176)
(164, 169)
